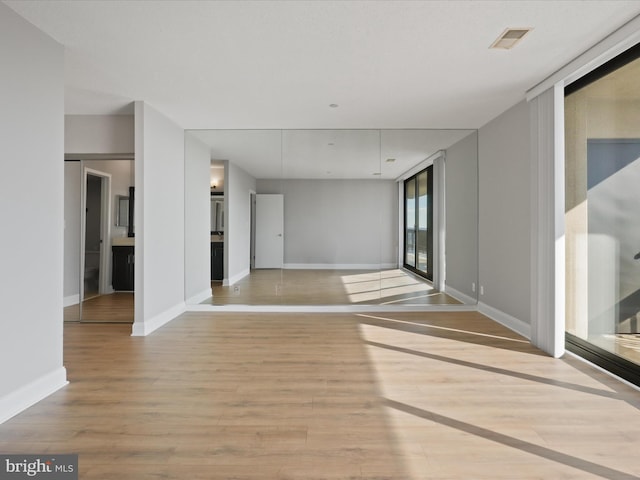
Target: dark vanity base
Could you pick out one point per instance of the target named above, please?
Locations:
(217, 256)
(123, 266)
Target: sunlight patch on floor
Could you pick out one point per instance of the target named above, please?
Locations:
(438, 327)
(385, 284)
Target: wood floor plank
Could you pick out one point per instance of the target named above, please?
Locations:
(116, 307)
(329, 287)
(408, 396)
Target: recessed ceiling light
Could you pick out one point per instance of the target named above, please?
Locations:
(391, 160)
(334, 105)
(510, 38)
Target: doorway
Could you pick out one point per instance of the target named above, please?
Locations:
(94, 190)
(92, 236)
(269, 228)
(96, 230)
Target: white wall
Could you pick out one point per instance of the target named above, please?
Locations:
(338, 223)
(99, 134)
(91, 135)
(32, 210)
(159, 219)
(461, 190)
(237, 231)
(72, 192)
(197, 218)
(504, 215)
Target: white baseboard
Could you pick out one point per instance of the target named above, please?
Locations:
(144, 328)
(339, 266)
(236, 278)
(71, 300)
(505, 319)
(200, 297)
(458, 295)
(15, 402)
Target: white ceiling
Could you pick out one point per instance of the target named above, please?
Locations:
(266, 64)
(329, 154)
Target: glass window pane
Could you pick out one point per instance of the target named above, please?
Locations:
(602, 170)
(423, 222)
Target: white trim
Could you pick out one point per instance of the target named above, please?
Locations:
(31, 393)
(105, 233)
(252, 229)
(330, 308)
(558, 219)
(142, 329)
(227, 282)
(105, 229)
(547, 221)
(458, 295)
(71, 300)
(613, 45)
(200, 297)
(99, 156)
(339, 266)
(439, 223)
(512, 323)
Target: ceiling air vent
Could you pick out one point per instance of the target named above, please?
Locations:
(510, 37)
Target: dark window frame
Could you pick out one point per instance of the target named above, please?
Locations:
(429, 272)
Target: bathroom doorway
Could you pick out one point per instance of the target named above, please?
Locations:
(96, 227)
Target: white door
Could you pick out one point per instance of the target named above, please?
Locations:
(269, 231)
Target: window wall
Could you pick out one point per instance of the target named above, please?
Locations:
(602, 174)
(418, 224)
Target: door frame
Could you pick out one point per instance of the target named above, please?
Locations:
(105, 229)
(258, 247)
(252, 234)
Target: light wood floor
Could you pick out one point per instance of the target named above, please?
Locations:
(329, 396)
(329, 287)
(117, 307)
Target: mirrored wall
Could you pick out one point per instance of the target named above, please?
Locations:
(319, 217)
(99, 251)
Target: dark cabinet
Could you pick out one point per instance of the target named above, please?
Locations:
(217, 257)
(123, 263)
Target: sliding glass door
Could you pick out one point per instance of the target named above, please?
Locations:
(602, 170)
(418, 223)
